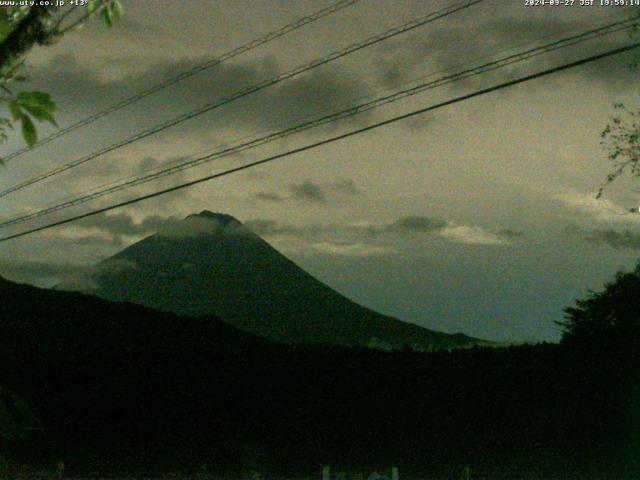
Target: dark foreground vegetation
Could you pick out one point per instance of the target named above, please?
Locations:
(122, 389)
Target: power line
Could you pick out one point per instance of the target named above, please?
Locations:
(332, 117)
(301, 22)
(250, 90)
(332, 139)
(257, 135)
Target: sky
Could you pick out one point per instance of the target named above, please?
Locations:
(479, 217)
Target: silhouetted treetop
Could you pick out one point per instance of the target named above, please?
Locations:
(610, 318)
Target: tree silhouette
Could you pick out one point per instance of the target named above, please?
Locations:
(610, 318)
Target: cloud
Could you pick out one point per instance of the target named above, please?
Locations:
(88, 89)
(601, 210)
(311, 191)
(473, 235)
(86, 278)
(350, 249)
(119, 225)
(417, 224)
(617, 239)
(308, 191)
(355, 239)
(86, 281)
(268, 197)
(527, 30)
(80, 89)
(358, 229)
(357, 232)
(149, 164)
(464, 43)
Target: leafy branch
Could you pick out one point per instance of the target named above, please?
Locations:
(21, 29)
(621, 137)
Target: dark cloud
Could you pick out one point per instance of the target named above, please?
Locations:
(85, 86)
(418, 224)
(82, 89)
(308, 191)
(391, 71)
(462, 44)
(268, 197)
(618, 239)
(531, 30)
(147, 165)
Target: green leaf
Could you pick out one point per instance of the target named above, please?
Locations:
(41, 114)
(6, 26)
(29, 131)
(105, 15)
(38, 100)
(15, 110)
(92, 5)
(117, 10)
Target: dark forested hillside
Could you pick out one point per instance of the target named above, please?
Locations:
(121, 388)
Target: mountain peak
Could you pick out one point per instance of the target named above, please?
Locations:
(222, 218)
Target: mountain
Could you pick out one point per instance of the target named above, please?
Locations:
(209, 263)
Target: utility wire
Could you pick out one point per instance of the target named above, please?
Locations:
(255, 135)
(301, 22)
(335, 116)
(336, 138)
(249, 90)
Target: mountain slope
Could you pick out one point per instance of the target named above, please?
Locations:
(108, 379)
(48, 322)
(212, 264)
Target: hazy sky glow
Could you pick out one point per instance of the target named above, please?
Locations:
(479, 217)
